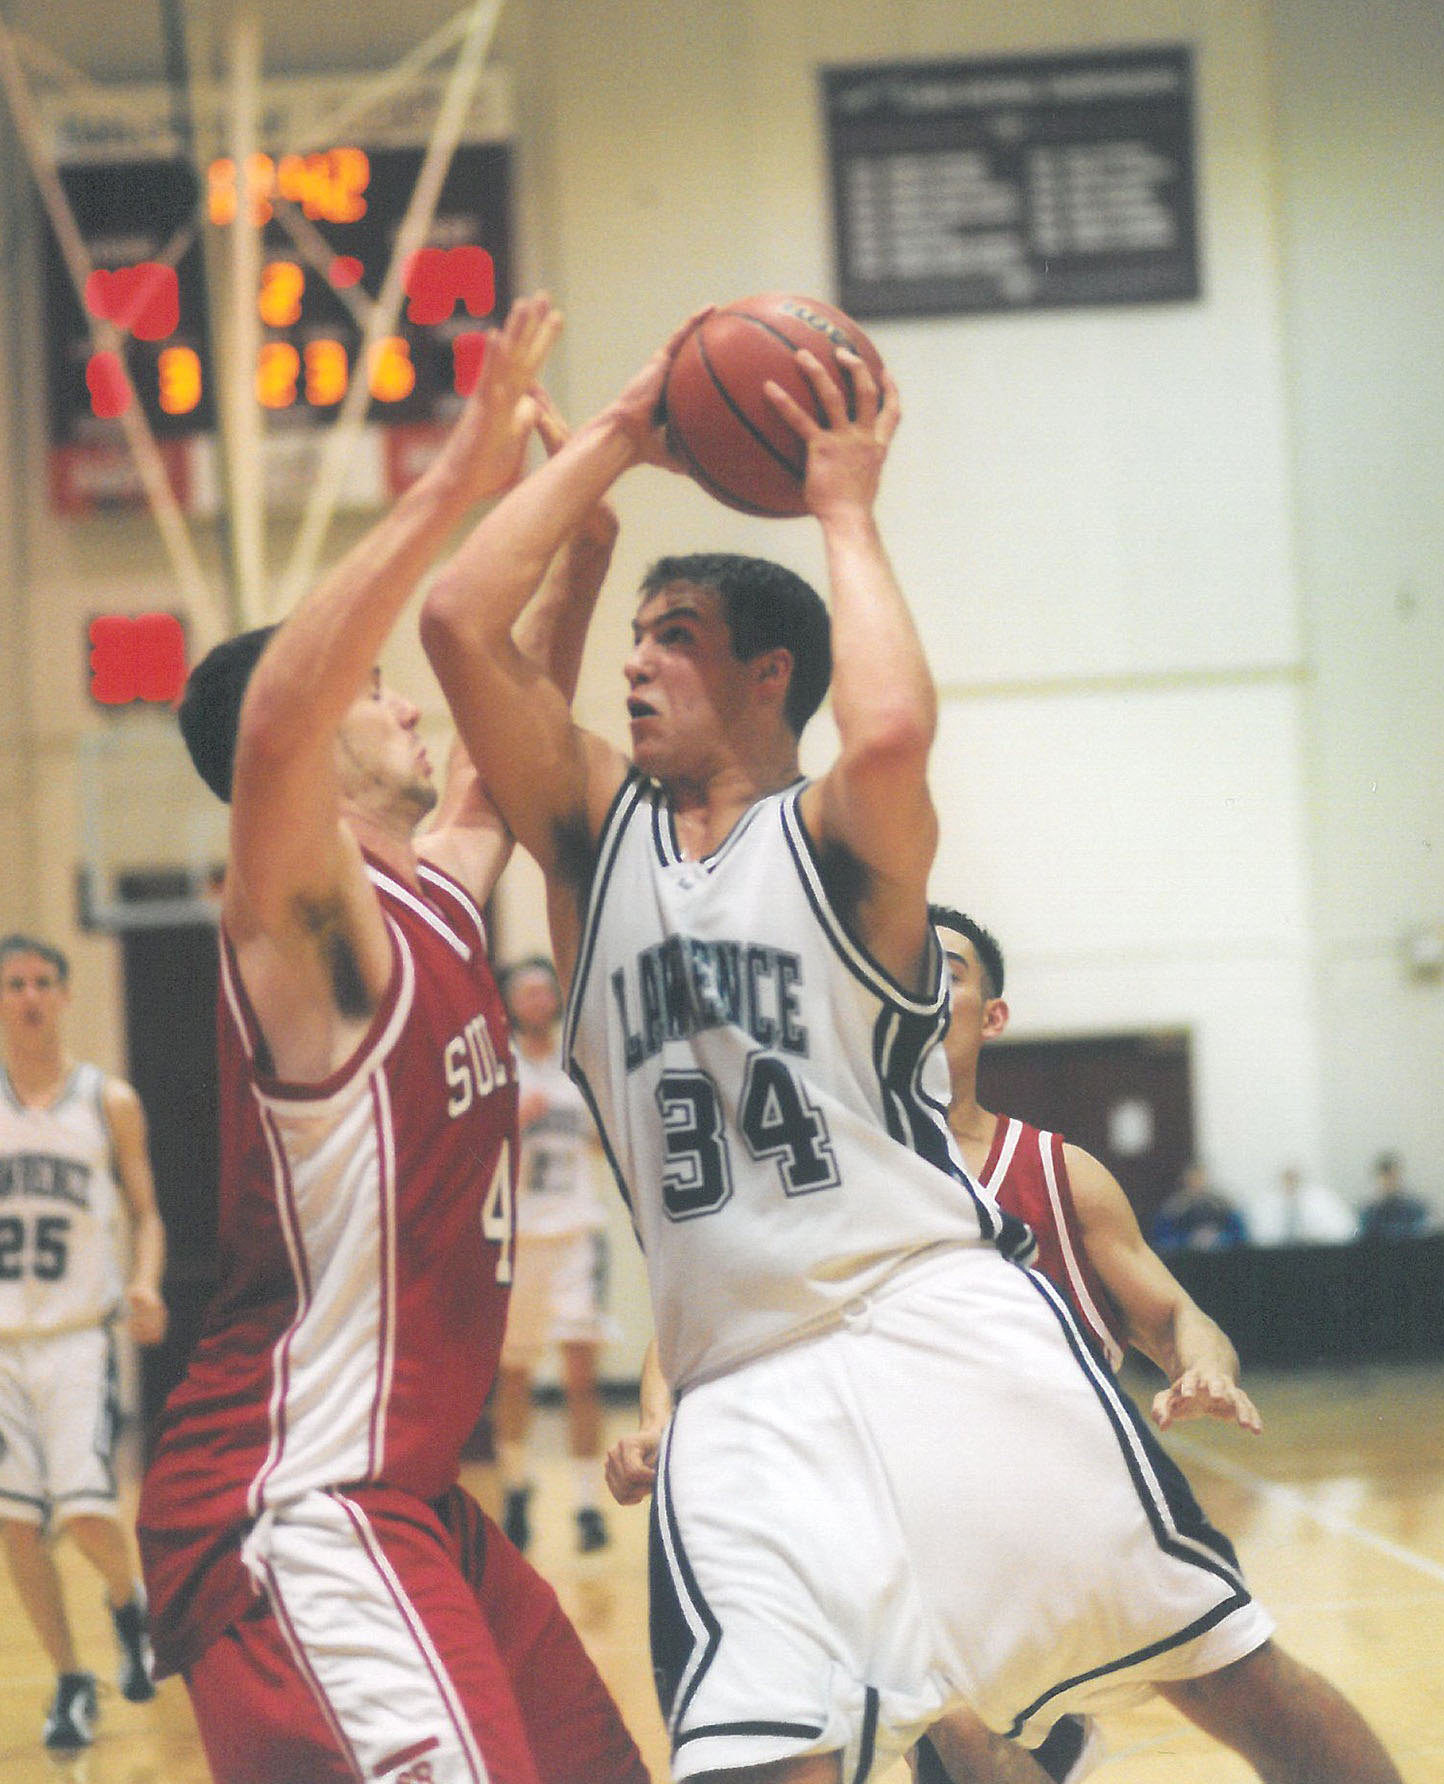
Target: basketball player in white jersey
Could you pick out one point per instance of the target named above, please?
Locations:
(558, 1291)
(76, 1194)
(896, 1484)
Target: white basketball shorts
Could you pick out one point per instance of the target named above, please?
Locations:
(59, 1412)
(558, 1295)
(945, 1500)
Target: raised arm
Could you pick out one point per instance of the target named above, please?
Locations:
(469, 837)
(874, 801)
(1163, 1319)
(296, 894)
(551, 781)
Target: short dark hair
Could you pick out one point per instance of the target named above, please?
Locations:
(767, 607)
(990, 955)
(210, 708)
(16, 943)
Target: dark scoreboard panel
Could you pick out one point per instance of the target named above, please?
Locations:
(141, 223)
(1029, 182)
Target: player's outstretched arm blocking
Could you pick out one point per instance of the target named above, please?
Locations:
(284, 837)
(469, 837)
(1163, 1319)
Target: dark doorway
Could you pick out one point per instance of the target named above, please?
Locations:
(1126, 1098)
(170, 1026)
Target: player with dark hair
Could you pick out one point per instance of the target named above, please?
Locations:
(896, 1484)
(74, 1171)
(337, 1604)
(766, 607)
(985, 945)
(1121, 1292)
(210, 708)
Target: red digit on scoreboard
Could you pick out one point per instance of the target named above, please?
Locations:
(468, 350)
(143, 299)
(437, 279)
(108, 385)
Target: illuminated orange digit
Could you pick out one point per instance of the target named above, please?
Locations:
(278, 369)
(282, 286)
(327, 373)
(350, 175)
(393, 377)
(179, 372)
(221, 200)
(291, 178)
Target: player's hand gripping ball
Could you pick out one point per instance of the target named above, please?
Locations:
(719, 423)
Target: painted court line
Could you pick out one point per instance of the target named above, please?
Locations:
(1299, 1502)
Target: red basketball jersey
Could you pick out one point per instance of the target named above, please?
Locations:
(365, 1246)
(1027, 1176)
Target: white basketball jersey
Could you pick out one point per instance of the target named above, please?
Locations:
(555, 1190)
(59, 1268)
(773, 1104)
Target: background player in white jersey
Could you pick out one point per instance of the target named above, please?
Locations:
(559, 1282)
(896, 1485)
(75, 1184)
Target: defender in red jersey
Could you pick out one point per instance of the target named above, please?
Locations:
(1089, 1242)
(338, 1607)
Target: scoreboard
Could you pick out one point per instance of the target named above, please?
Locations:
(327, 218)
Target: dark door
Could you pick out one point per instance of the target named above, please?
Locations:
(1125, 1098)
(170, 1024)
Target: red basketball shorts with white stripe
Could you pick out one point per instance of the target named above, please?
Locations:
(397, 1644)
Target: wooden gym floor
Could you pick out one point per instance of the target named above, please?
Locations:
(1337, 1511)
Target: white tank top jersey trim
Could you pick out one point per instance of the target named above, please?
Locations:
(60, 1266)
(773, 1104)
(334, 1167)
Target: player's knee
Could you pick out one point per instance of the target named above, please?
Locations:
(1252, 1704)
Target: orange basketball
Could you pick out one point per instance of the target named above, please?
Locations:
(719, 423)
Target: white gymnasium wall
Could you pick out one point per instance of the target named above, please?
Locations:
(1361, 133)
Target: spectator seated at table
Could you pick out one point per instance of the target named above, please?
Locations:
(1393, 1211)
(1197, 1217)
